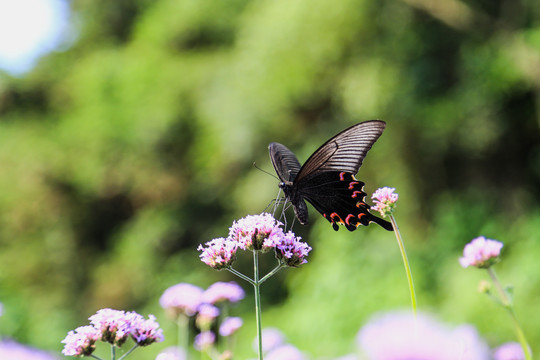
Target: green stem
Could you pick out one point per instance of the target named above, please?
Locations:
(405, 263)
(271, 273)
(128, 352)
(182, 323)
(95, 357)
(256, 285)
(240, 275)
(113, 352)
(510, 308)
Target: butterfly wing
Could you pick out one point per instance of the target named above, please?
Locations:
(340, 198)
(285, 162)
(345, 152)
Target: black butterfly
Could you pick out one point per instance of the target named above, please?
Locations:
(327, 179)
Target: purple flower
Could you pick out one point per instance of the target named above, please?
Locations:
(223, 291)
(291, 250)
(230, 325)
(285, 352)
(399, 336)
(205, 317)
(219, 253)
(145, 332)
(181, 298)
(81, 341)
(11, 350)
(272, 338)
(481, 253)
(509, 351)
(172, 353)
(204, 340)
(385, 201)
(256, 232)
(114, 326)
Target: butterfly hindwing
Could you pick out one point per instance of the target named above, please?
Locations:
(340, 198)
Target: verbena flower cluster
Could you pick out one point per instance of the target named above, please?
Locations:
(385, 201)
(481, 253)
(114, 327)
(255, 232)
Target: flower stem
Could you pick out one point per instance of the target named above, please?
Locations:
(128, 352)
(113, 352)
(507, 303)
(240, 275)
(182, 323)
(271, 273)
(405, 263)
(256, 285)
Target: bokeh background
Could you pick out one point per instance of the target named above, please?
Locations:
(123, 151)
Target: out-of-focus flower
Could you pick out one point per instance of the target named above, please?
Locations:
(145, 331)
(256, 232)
(399, 336)
(272, 338)
(219, 253)
(114, 325)
(285, 352)
(223, 291)
(172, 353)
(204, 340)
(11, 350)
(181, 298)
(509, 351)
(205, 317)
(230, 325)
(291, 250)
(385, 201)
(481, 253)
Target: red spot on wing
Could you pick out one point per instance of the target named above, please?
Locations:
(334, 215)
(342, 176)
(348, 218)
(352, 185)
(356, 193)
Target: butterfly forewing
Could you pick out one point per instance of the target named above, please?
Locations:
(284, 161)
(345, 151)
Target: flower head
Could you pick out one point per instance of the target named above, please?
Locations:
(272, 338)
(11, 350)
(218, 253)
(205, 317)
(181, 298)
(385, 201)
(145, 331)
(481, 253)
(285, 352)
(81, 341)
(509, 351)
(291, 250)
(204, 340)
(256, 232)
(391, 337)
(223, 291)
(113, 325)
(230, 325)
(172, 353)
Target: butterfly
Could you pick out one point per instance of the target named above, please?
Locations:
(326, 180)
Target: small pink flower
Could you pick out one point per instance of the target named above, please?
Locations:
(230, 325)
(509, 351)
(204, 340)
(291, 250)
(481, 253)
(385, 200)
(81, 341)
(256, 232)
(223, 291)
(181, 298)
(219, 253)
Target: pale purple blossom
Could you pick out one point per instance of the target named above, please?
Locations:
(481, 253)
(219, 253)
(272, 338)
(206, 315)
(385, 200)
(81, 341)
(291, 250)
(172, 353)
(145, 331)
(285, 352)
(114, 325)
(399, 336)
(204, 340)
(230, 325)
(223, 291)
(256, 232)
(509, 351)
(181, 298)
(11, 350)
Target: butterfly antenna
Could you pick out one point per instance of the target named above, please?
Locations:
(264, 171)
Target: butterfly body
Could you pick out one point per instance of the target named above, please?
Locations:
(327, 181)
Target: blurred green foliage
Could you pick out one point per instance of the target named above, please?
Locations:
(122, 153)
